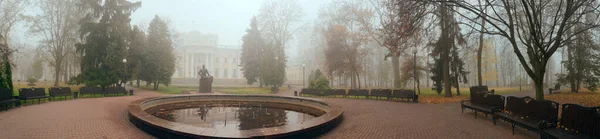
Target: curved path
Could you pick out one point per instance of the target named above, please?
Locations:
(107, 118)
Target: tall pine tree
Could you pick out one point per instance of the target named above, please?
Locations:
(251, 53)
(159, 64)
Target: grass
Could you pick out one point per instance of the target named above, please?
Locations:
(167, 89)
(172, 89)
(584, 98)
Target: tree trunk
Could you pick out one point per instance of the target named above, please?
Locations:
(396, 70)
(138, 83)
(479, 51)
(457, 87)
(57, 68)
(446, 74)
(358, 79)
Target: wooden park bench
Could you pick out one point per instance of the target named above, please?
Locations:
(554, 90)
(7, 99)
(483, 102)
(401, 94)
(32, 94)
(481, 89)
(60, 91)
(378, 93)
(576, 122)
(91, 91)
(336, 92)
(307, 91)
(358, 92)
(115, 91)
(527, 112)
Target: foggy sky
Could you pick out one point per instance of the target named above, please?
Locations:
(227, 18)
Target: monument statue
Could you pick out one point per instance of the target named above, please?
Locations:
(205, 80)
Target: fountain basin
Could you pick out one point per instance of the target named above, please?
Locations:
(234, 116)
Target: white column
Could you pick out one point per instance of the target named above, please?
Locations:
(193, 65)
(185, 65)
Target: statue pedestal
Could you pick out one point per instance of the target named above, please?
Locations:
(206, 85)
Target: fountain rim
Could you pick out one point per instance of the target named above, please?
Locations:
(145, 121)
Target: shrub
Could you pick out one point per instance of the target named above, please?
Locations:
(31, 81)
(321, 84)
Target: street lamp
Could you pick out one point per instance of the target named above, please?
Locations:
(303, 77)
(124, 64)
(416, 77)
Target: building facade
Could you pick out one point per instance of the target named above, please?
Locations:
(197, 49)
(222, 61)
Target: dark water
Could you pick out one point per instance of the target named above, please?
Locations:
(232, 117)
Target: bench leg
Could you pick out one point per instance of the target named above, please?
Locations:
(462, 109)
(513, 126)
(475, 114)
(494, 119)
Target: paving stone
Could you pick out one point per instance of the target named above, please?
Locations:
(91, 118)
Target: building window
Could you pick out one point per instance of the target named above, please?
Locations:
(234, 73)
(216, 72)
(225, 73)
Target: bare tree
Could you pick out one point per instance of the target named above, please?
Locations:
(278, 20)
(346, 39)
(393, 26)
(58, 25)
(11, 13)
(539, 26)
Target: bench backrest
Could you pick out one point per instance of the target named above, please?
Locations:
(531, 108)
(39, 91)
(91, 90)
(358, 92)
(403, 93)
(6, 93)
(487, 99)
(335, 92)
(581, 119)
(65, 90)
(308, 91)
(110, 90)
(32, 92)
(54, 90)
(496, 101)
(24, 92)
(121, 90)
(477, 97)
(381, 92)
(478, 89)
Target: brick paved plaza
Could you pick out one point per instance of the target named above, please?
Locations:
(363, 119)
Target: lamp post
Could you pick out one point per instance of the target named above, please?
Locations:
(124, 64)
(303, 77)
(416, 77)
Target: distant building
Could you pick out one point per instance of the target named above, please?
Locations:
(195, 49)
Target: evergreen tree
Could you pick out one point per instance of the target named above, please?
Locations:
(105, 30)
(136, 54)
(159, 64)
(583, 64)
(251, 53)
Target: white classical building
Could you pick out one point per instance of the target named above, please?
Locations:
(197, 49)
(222, 61)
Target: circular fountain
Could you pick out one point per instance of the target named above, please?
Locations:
(234, 116)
